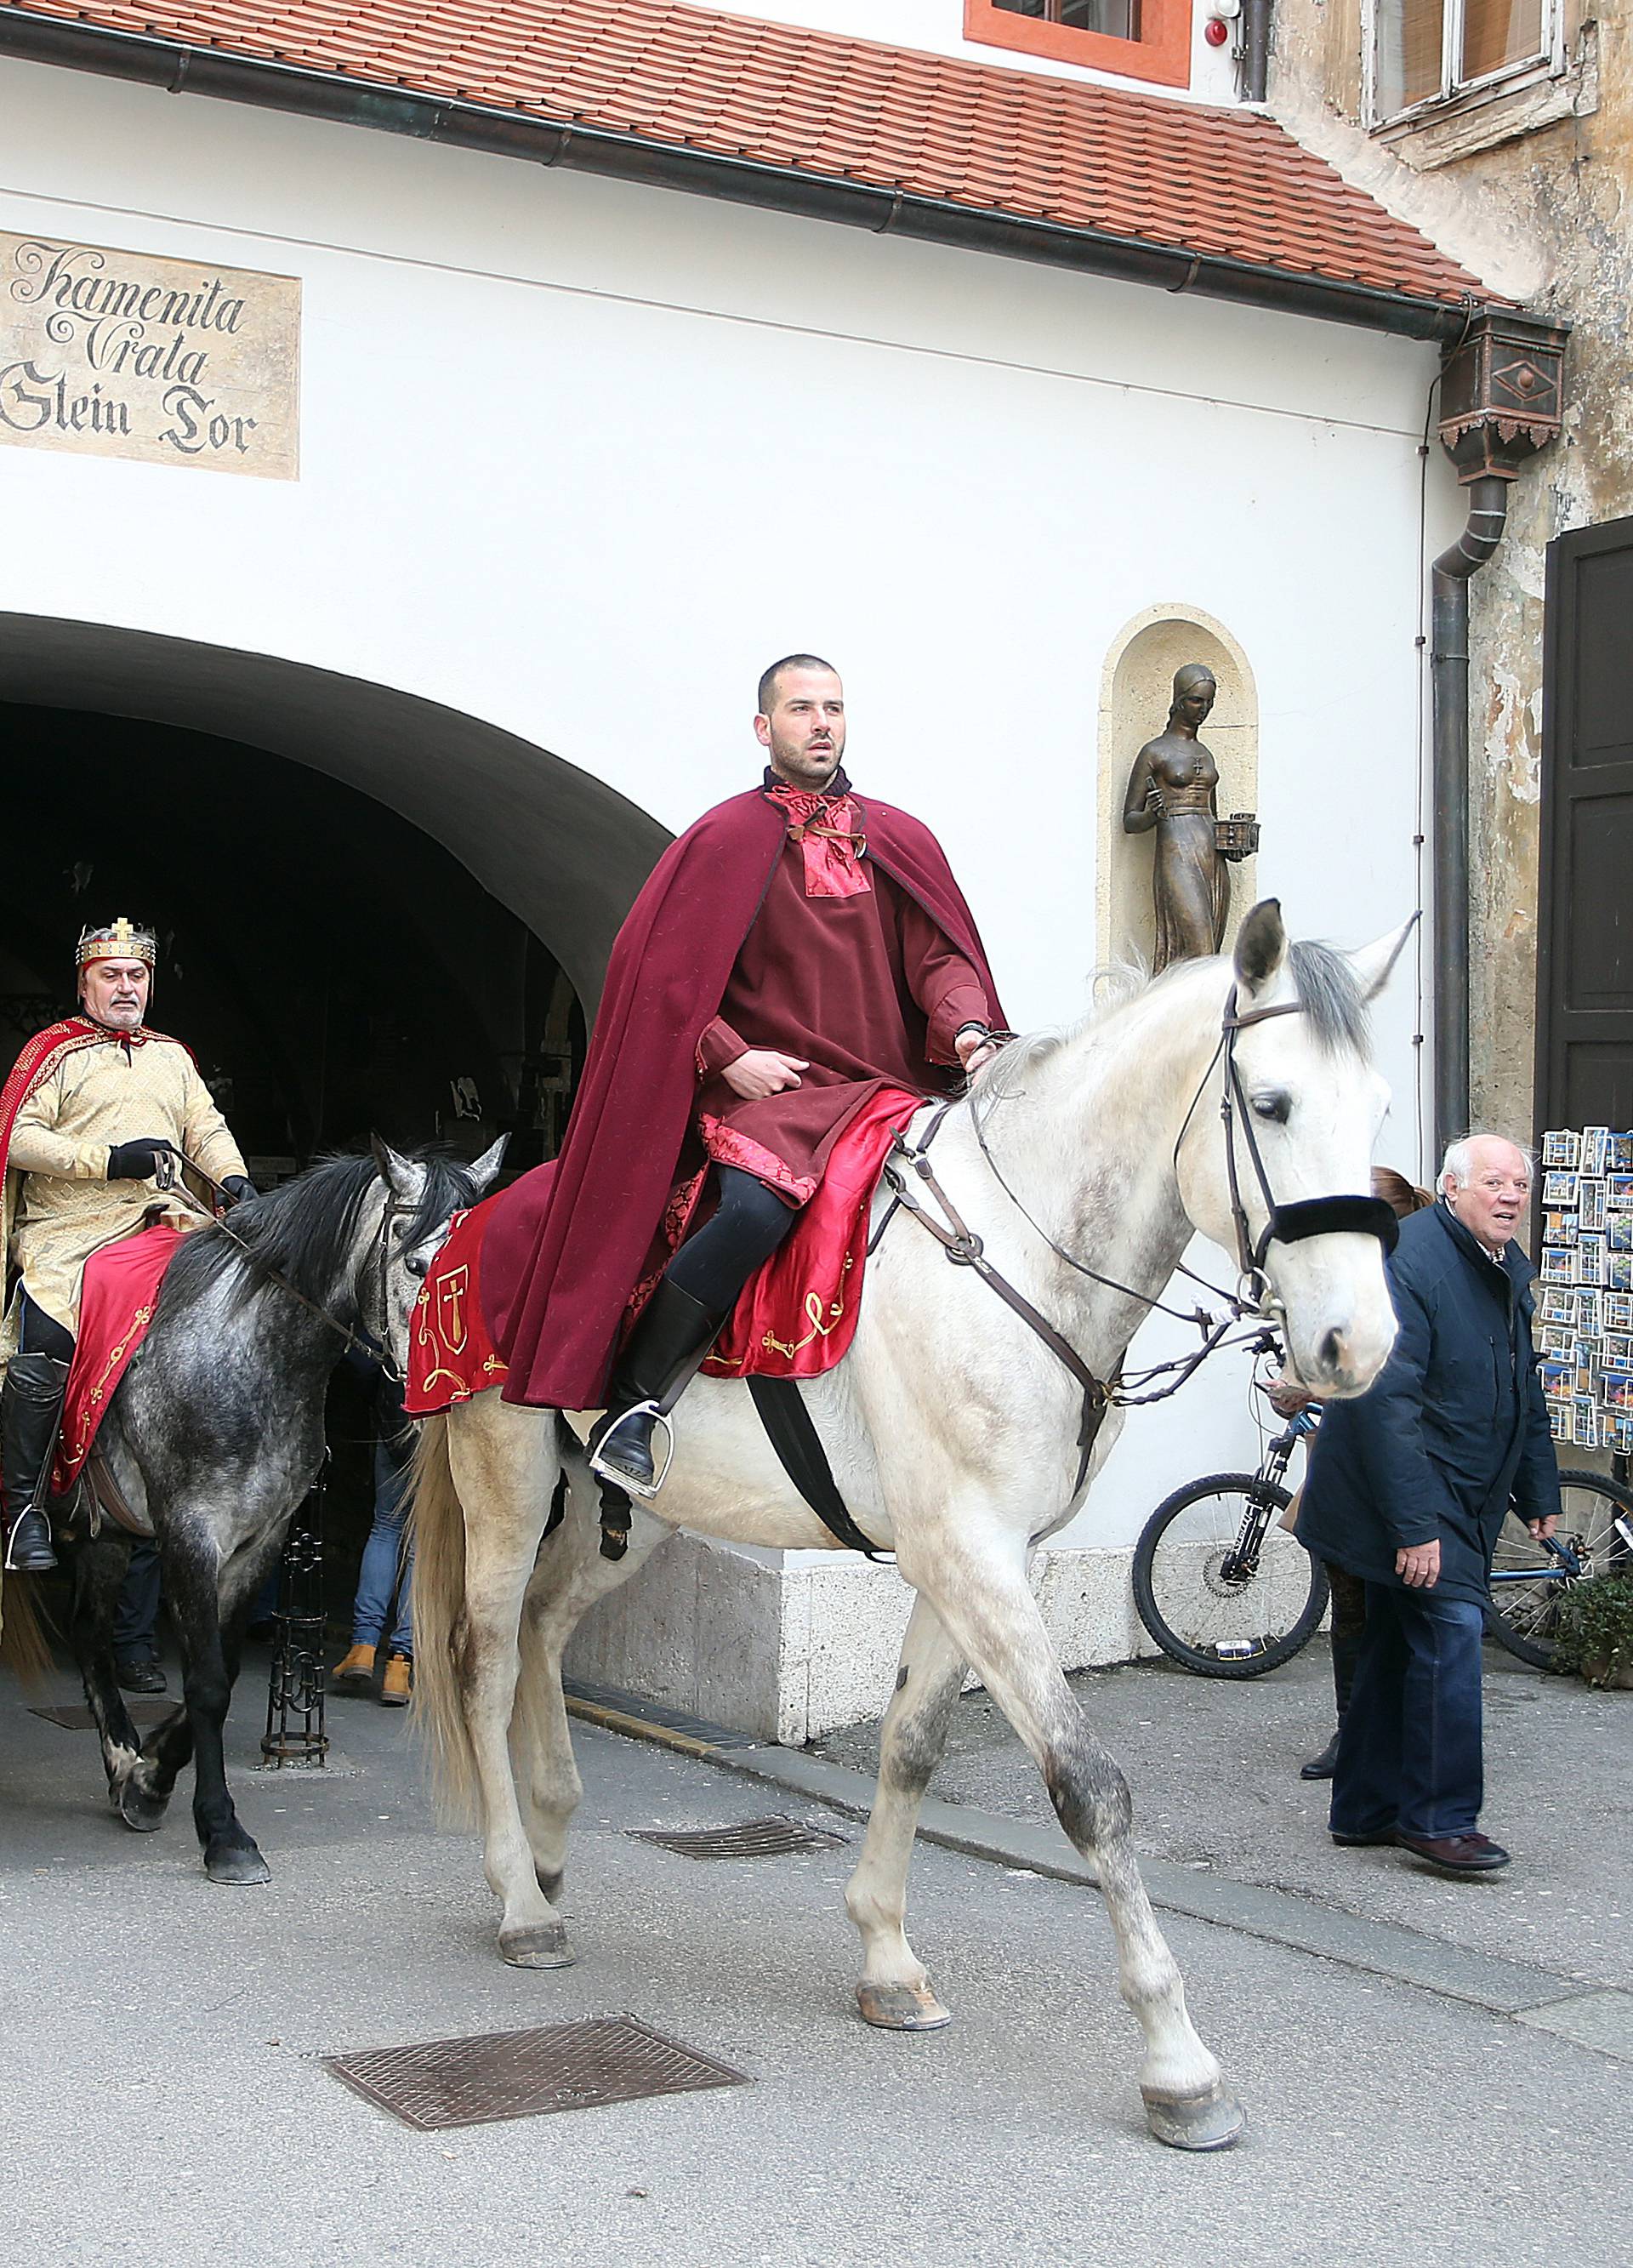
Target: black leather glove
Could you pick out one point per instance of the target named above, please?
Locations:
(240, 1185)
(136, 1161)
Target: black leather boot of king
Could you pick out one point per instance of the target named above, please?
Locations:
(31, 1411)
(666, 1348)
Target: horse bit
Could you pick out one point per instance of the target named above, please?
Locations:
(1288, 1224)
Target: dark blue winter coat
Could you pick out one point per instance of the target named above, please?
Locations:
(1454, 1425)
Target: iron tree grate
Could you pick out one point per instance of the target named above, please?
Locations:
(521, 2074)
(752, 1838)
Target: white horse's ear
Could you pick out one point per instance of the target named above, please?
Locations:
(1374, 964)
(1260, 946)
(401, 1176)
(484, 1170)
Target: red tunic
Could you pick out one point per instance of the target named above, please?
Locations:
(864, 987)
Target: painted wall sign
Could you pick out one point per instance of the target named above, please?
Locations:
(120, 353)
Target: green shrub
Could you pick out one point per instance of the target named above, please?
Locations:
(1595, 1630)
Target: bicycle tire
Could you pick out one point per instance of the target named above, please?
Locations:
(1524, 1623)
(1304, 1588)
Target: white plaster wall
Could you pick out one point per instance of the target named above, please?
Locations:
(578, 458)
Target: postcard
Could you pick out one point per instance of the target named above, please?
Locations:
(1616, 1390)
(1619, 1270)
(1619, 1154)
(1557, 1304)
(1618, 1311)
(1591, 1260)
(1618, 1192)
(1616, 1350)
(1564, 1227)
(1559, 1263)
(1559, 1420)
(1584, 1425)
(1595, 1141)
(1561, 1189)
(1557, 1378)
(1558, 1339)
(1615, 1429)
(1563, 1147)
(1591, 1200)
(1618, 1232)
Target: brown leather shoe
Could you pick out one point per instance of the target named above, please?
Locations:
(1455, 1854)
(398, 1683)
(355, 1674)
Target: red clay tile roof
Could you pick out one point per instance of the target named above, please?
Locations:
(1147, 169)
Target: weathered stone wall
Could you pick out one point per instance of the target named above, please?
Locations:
(1533, 191)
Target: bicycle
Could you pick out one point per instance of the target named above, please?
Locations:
(1531, 1580)
(1227, 1591)
(1221, 1584)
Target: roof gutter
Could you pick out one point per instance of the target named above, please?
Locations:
(346, 101)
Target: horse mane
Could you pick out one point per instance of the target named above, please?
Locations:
(1326, 984)
(307, 1228)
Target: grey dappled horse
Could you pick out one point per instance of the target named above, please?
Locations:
(216, 1432)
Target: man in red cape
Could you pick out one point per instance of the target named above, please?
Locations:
(796, 950)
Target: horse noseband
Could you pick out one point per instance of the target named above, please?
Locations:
(1291, 1223)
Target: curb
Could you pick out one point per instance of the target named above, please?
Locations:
(1571, 2008)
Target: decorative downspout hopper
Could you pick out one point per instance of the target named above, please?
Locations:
(1501, 401)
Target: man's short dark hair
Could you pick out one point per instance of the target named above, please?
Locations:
(767, 694)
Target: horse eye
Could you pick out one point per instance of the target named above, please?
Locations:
(417, 1264)
(1276, 1108)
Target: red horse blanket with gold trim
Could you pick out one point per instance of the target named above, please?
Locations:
(796, 1316)
(121, 1293)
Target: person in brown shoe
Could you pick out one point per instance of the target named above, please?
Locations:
(381, 1610)
(1408, 1486)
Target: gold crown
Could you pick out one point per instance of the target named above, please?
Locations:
(121, 940)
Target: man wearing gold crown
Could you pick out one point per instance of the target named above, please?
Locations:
(92, 1105)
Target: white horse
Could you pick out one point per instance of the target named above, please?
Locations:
(952, 1431)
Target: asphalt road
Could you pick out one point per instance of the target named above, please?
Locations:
(164, 2100)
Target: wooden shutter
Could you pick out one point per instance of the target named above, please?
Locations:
(1584, 915)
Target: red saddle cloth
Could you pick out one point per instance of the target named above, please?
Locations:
(795, 1317)
(116, 1303)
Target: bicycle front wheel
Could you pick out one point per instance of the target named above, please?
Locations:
(1528, 1587)
(1220, 1584)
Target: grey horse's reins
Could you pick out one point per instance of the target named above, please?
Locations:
(379, 1353)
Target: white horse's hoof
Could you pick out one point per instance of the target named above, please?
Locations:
(901, 2007)
(1198, 2122)
(537, 1945)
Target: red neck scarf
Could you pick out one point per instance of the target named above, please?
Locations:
(825, 829)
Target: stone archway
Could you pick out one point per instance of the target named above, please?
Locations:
(560, 849)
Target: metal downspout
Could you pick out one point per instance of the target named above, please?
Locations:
(1255, 51)
(1449, 580)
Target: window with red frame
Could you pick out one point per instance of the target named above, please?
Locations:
(1138, 39)
(1118, 19)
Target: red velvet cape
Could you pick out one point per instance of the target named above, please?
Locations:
(556, 1300)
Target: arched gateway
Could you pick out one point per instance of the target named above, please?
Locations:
(379, 906)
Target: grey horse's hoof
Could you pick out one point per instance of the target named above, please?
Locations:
(538, 1945)
(139, 1808)
(1201, 2122)
(901, 2007)
(235, 1863)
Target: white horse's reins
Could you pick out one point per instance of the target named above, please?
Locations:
(1288, 1223)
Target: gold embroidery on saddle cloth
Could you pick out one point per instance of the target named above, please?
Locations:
(823, 1324)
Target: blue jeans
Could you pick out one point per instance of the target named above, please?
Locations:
(386, 1566)
(1409, 1750)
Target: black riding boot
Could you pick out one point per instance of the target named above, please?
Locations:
(666, 1348)
(30, 1411)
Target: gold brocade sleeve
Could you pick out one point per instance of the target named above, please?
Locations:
(38, 1147)
(207, 1138)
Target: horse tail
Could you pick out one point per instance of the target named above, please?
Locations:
(438, 1518)
(25, 1648)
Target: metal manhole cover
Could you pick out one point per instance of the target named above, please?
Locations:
(78, 1718)
(521, 2074)
(753, 1838)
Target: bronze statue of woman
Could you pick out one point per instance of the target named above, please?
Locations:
(1171, 788)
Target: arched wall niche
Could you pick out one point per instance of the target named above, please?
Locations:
(1137, 686)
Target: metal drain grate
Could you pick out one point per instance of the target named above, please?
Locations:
(753, 1838)
(76, 1718)
(521, 2074)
